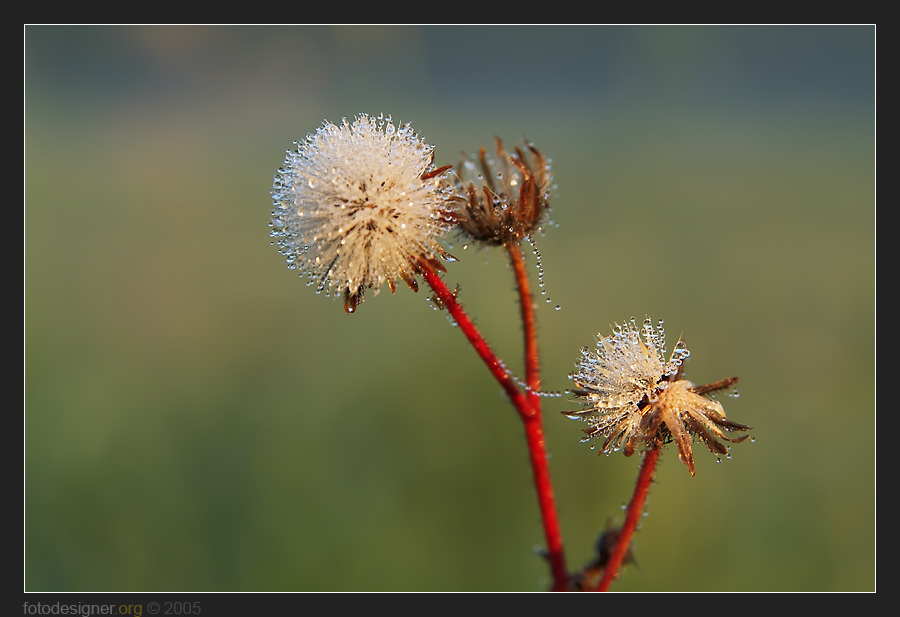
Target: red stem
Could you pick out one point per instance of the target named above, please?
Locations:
(534, 430)
(532, 363)
(528, 408)
(635, 508)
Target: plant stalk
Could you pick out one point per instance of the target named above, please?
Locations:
(528, 406)
(632, 516)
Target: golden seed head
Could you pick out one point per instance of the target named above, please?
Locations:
(633, 396)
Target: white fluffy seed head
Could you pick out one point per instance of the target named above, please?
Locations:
(633, 395)
(354, 207)
(627, 367)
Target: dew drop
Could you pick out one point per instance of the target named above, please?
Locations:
(540, 269)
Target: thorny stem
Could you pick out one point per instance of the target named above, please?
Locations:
(633, 515)
(528, 408)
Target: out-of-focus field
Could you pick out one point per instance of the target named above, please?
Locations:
(197, 418)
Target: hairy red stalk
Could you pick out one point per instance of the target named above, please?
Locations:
(528, 408)
(532, 364)
(534, 430)
(633, 515)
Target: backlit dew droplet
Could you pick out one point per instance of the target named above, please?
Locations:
(540, 269)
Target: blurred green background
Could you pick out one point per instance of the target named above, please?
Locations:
(198, 419)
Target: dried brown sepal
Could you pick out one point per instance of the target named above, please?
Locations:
(352, 300)
(428, 263)
(590, 432)
(582, 393)
(722, 384)
(434, 173)
(686, 413)
(734, 426)
(671, 415)
(450, 217)
(410, 279)
(495, 209)
(705, 436)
